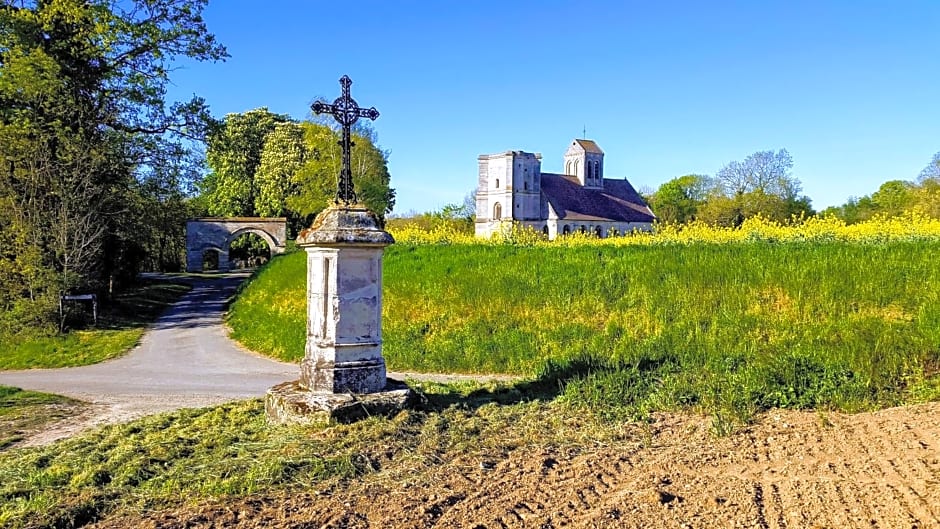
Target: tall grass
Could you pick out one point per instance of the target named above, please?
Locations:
(734, 328)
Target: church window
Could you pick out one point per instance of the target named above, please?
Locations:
(525, 186)
(583, 228)
(612, 232)
(545, 230)
(497, 183)
(597, 171)
(599, 232)
(566, 230)
(497, 211)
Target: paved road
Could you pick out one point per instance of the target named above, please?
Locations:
(185, 360)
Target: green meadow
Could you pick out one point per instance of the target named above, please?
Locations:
(728, 329)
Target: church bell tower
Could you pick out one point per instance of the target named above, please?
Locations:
(585, 160)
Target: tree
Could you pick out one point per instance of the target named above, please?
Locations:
(234, 154)
(768, 172)
(283, 154)
(678, 200)
(266, 164)
(83, 119)
(893, 197)
(762, 184)
(316, 179)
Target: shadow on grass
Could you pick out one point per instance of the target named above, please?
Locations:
(548, 385)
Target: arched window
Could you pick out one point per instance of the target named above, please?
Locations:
(568, 167)
(497, 183)
(583, 228)
(525, 186)
(497, 211)
(612, 232)
(598, 232)
(597, 172)
(577, 167)
(566, 230)
(545, 230)
(590, 171)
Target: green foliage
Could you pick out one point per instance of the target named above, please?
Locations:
(896, 198)
(234, 154)
(457, 217)
(316, 179)
(120, 326)
(763, 184)
(84, 130)
(264, 164)
(732, 329)
(679, 199)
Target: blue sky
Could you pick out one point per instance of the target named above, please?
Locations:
(849, 88)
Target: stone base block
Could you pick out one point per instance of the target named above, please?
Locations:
(361, 377)
(290, 403)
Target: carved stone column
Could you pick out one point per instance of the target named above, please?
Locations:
(342, 375)
(344, 302)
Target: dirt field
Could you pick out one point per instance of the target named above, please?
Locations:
(792, 469)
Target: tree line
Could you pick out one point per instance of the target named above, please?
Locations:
(763, 184)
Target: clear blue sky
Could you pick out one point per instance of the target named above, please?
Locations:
(849, 88)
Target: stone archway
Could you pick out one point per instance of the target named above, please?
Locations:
(218, 233)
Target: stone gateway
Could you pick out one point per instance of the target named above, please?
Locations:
(217, 234)
(513, 190)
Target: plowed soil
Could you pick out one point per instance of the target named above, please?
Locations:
(789, 470)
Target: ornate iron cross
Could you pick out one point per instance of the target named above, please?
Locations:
(346, 112)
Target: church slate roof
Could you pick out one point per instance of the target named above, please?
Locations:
(617, 201)
(589, 146)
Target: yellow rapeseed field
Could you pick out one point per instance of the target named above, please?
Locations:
(913, 225)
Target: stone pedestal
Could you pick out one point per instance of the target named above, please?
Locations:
(342, 374)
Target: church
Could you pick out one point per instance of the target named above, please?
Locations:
(513, 190)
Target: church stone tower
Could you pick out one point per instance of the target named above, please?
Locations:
(585, 160)
(508, 189)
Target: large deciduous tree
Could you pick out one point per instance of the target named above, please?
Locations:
(679, 199)
(265, 164)
(233, 155)
(762, 184)
(83, 122)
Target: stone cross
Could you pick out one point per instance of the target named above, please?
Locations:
(347, 113)
(342, 375)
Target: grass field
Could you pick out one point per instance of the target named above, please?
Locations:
(229, 451)
(730, 328)
(120, 326)
(24, 411)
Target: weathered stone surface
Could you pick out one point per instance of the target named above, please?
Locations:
(344, 302)
(218, 233)
(354, 224)
(292, 403)
(342, 375)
